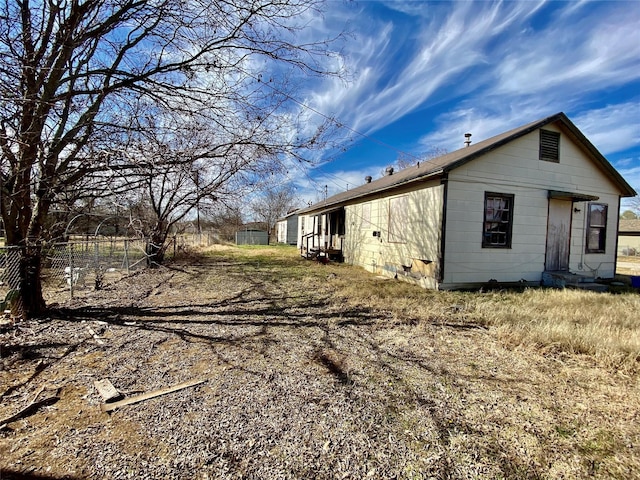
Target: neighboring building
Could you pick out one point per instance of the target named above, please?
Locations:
(539, 198)
(287, 229)
(629, 237)
(250, 236)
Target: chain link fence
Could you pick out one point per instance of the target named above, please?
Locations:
(90, 264)
(10, 258)
(86, 263)
(72, 266)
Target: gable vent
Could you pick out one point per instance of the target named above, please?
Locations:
(549, 146)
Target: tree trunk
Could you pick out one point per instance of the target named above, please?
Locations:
(156, 248)
(30, 303)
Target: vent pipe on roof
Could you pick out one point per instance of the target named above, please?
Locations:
(467, 142)
(368, 179)
(388, 171)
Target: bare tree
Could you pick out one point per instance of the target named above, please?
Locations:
(273, 204)
(634, 204)
(404, 160)
(225, 219)
(73, 73)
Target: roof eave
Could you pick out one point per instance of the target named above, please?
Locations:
(323, 207)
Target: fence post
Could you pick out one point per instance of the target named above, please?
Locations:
(98, 280)
(126, 254)
(70, 279)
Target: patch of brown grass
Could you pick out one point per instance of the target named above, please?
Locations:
(604, 326)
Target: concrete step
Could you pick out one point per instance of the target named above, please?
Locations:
(564, 279)
(592, 286)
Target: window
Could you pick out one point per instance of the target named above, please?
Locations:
(498, 220)
(398, 219)
(549, 146)
(596, 228)
(366, 215)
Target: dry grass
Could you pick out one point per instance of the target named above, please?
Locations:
(604, 326)
(628, 265)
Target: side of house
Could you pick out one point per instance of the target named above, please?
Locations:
(398, 234)
(287, 229)
(512, 215)
(539, 199)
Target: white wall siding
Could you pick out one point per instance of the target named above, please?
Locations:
(515, 169)
(416, 246)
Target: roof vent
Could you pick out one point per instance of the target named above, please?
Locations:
(388, 171)
(467, 142)
(367, 179)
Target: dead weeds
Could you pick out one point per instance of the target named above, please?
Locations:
(304, 380)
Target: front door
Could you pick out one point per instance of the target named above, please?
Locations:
(558, 235)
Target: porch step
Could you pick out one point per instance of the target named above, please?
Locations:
(592, 286)
(565, 279)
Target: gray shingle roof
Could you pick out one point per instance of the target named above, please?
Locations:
(441, 165)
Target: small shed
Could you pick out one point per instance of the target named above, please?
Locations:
(629, 237)
(252, 237)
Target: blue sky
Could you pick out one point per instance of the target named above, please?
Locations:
(421, 74)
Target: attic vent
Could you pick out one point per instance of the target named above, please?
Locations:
(367, 179)
(549, 146)
(389, 171)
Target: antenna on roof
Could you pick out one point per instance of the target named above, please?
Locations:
(467, 142)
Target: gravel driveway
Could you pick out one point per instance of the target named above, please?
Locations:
(297, 385)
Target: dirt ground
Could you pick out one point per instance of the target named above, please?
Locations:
(297, 384)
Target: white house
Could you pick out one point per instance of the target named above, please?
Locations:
(539, 198)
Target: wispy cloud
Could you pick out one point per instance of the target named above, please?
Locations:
(489, 52)
(612, 129)
(311, 188)
(481, 67)
(572, 55)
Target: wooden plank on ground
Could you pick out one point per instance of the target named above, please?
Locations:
(106, 390)
(107, 407)
(94, 335)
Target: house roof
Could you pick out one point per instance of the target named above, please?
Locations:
(629, 226)
(439, 166)
(289, 214)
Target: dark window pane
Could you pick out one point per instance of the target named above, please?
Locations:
(498, 220)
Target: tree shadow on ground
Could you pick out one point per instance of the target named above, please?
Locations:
(16, 475)
(262, 308)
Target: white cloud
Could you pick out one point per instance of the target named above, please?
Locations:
(462, 47)
(501, 69)
(573, 56)
(438, 55)
(615, 128)
(311, 188)
(632, 175)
